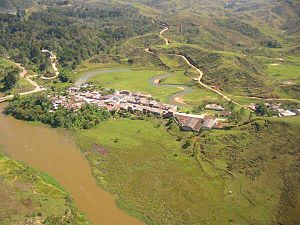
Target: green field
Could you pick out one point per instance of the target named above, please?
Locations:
(201, 95)
(284, 72)
(28, 196)
(22, 86)
(157, 179)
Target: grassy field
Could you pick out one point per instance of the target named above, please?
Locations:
(28, 196)
(157, 179)
(293, 120)
(22, 86)
(200, 95)
(5, 62)
(141, 152)
(284, 76)
(284, 72)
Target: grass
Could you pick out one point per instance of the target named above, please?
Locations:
(293, 120)
(200, 95)
(284, 72)
(141, 152)
(135, 80)
(5, 62)
(157, 181)
(22, 86)
(30, 195)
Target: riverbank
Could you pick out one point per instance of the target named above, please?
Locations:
(28, 196)
(48, 150)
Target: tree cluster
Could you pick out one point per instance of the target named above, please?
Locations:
(74, 33)
(38, 108)
(8, 77)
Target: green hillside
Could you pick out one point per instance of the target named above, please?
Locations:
(229, 47)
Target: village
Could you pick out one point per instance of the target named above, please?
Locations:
(133, 102)
(277, 109)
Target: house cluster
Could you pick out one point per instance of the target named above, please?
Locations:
(216, 107)
(191, 122)
(132, 102)
(119, 100)
(278, 108)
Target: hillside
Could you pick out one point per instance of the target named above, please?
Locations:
(235, 44)
(220, 22)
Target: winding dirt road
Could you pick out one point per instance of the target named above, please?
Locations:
(22, 74)
(53, 64)
(161, 34)
(199, 78)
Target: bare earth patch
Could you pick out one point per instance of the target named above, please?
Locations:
(102, 151)
(288, 82)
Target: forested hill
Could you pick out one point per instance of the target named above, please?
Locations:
(75, 31)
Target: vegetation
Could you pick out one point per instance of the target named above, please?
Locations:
(40, 109)
(137, 80)
(232, 176)
(28, 196)
(8, 75)
(65, 31)
(246, 173)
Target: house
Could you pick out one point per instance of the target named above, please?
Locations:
(141, 95)
(125, 92)
(189, 123)
(193, 122)
(226, 113)
(215, 107)
(286, 113)
(210, 123)
(252, 106)
(274, 106)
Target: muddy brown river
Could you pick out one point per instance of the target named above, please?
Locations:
(50, 151)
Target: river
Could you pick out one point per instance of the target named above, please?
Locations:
(89, 74)
(173, 98)
(51, 151)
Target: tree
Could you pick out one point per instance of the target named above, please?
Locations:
(10, 79)
(261, 109)
(64, 76)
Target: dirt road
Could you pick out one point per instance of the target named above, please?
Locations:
(22, 74)
(199, 78)
(53, 64)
